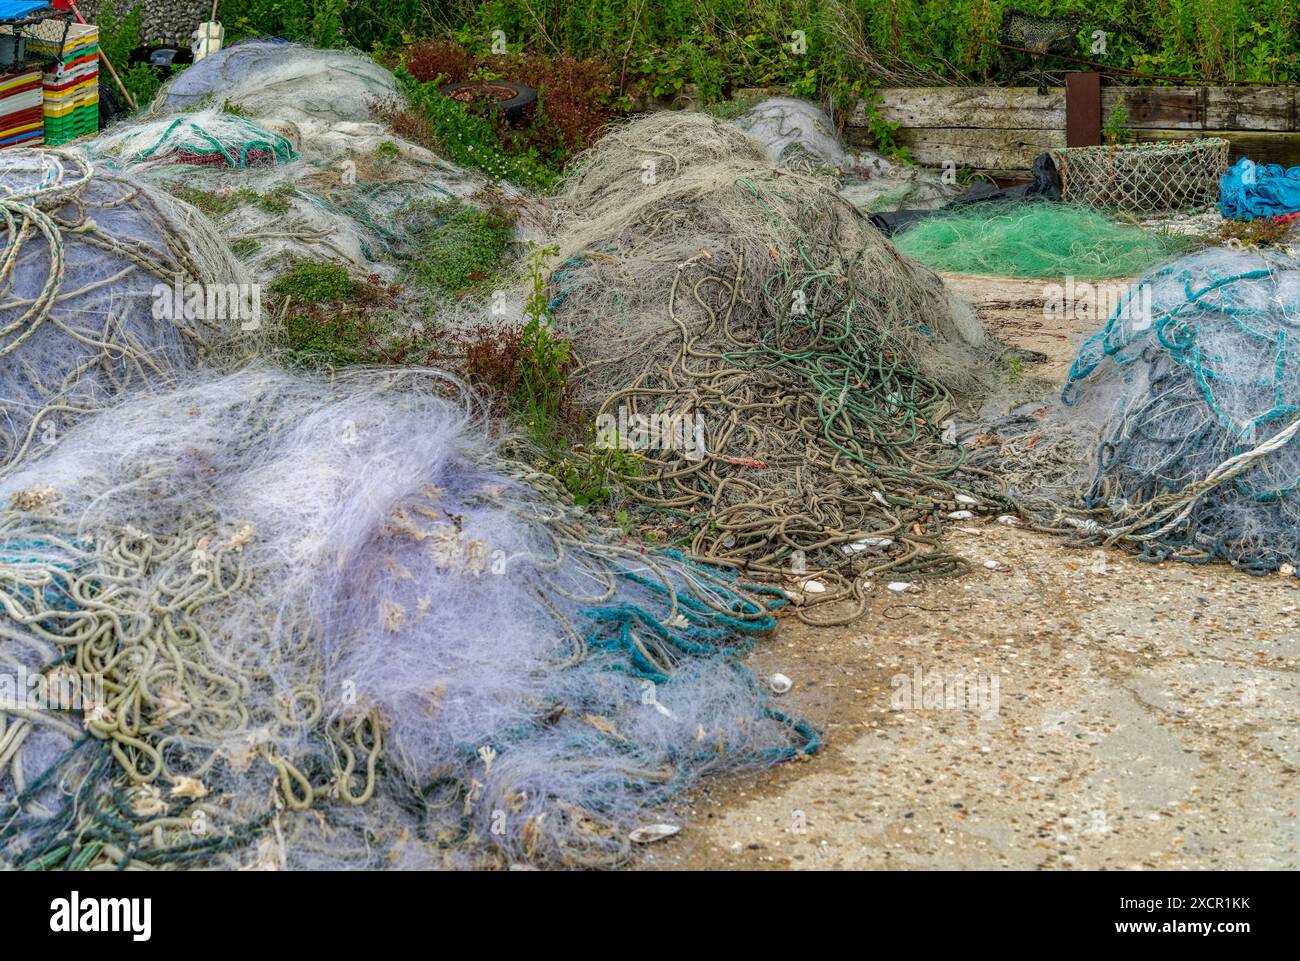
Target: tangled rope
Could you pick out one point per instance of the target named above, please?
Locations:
(218, 701)
(76, 317)
(819, 441)
(818, 365)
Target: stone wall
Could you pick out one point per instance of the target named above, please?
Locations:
(171, 21)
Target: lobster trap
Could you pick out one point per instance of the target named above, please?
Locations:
(1172, 175)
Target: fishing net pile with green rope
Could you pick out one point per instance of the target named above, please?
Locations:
(1037, 239)
(701, 285)
(210, 137)
(336, 628)
(1179, 418)
(80, 322)
(277, 142)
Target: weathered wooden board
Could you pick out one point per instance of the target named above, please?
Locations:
(1004, 128)
(1253, 108)
(1154, 108)
(982, 149)
(1262, 146)
(1207, 108)
(1018, 108)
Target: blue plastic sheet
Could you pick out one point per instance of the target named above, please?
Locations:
(17, 9)
(1251, 190)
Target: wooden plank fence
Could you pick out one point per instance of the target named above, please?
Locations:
(1000, 130)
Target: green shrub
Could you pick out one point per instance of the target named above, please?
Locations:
(721, 44)
(542, 395)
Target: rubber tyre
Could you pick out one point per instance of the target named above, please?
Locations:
(513, 108)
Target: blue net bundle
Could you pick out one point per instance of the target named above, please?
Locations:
(323, 622)
(1195, 380)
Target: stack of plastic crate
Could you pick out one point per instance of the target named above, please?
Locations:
(21, 120)
(71, 83)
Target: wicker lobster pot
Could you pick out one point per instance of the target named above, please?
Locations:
(1169, 175)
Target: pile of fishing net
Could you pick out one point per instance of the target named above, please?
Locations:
(1183, 412)
(292, 165)
(296, 84)
(210, 137)
(702, 286)
(798, 134)
(323, 623)
(793, 131)
(1036, 240)
(81, 321)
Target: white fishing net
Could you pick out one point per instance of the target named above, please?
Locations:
(1177, 431)
(271, 79)
(276, 141)
(206, 137)
(85, 251)
(794, 131)
(337, 629)
(799, 134)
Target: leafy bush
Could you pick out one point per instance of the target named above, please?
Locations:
(322, 23)
(721, 44)
(594, 478)
(575, 100)
(118, 36)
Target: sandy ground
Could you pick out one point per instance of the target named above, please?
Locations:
(1113, 713)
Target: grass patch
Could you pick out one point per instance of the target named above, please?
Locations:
(308, 282)
(277, 200)
(731, 109)
(333, 319)
(217, 204)
(1261, 232)
(460, 246)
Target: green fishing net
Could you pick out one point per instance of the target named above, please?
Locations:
(1037, 240)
